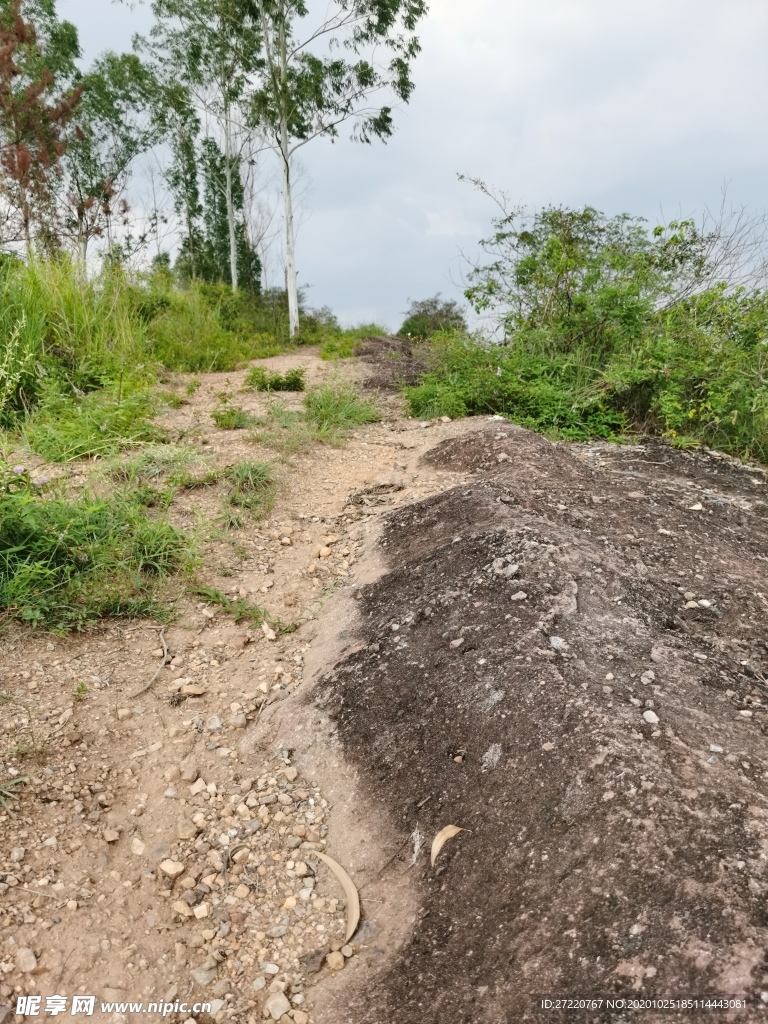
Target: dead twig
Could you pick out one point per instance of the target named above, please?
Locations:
(163, 663)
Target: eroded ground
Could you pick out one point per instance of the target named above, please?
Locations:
(559, 649)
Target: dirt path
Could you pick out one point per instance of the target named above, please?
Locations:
(560, 649)
(159, 852)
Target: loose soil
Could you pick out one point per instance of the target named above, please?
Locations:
(560, 649)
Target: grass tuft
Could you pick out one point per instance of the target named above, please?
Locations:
(232, 417)
(336, 407)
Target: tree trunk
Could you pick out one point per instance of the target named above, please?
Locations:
(291, 283)
(230, 202)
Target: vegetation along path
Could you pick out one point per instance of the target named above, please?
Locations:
(388, 627)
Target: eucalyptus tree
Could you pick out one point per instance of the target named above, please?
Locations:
(347, 64)
(114, 125)
(211, 48)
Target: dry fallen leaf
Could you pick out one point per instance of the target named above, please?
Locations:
(350, 891)
(442, 838)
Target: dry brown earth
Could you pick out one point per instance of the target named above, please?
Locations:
(561, 649)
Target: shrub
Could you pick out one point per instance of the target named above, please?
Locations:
(259, 379)
(469, 377)
(65, 563)
(432, 316)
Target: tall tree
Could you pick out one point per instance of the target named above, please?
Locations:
(212, 48)
(114, 125)
(305, 93)
(38, 98)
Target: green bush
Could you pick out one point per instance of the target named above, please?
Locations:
(471, 377)
(65, 563)
(428, 317)
(259, 379)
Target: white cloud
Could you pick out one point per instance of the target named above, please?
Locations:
(625, 104)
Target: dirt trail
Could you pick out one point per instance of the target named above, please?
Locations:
(560, 649)
(159, 852)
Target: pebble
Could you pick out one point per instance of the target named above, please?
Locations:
(137, 847)
(111, 835)
(26, 961)
(335, 960)
(172, 868)
(277, 1004)
(651, 717)
(17, 855)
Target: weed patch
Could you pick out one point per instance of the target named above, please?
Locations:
(232, 417)
(344, 344)
(99, 424)
(66, 563)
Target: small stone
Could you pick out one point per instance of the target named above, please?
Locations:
(746, 714)
(335, 960)
(651, 717)
(214, 724)
(519, 596)
(198, 786)
(137, 847)
(697, 507)
(201, 911)
(182, 909)
(111, 835)
(704, 603)
(189, 774)
(457, 643)
(347, 951)
(300, 1017)
(193, 690)
(548, 746)
(239, 721)
(123, 713)
(172, 868)
(714, 749)
(204, 975)
(276, 1005)
(269, 968)
(17, 855)
(26, 961)
(259, 983)
(291, 774)
(71, 904)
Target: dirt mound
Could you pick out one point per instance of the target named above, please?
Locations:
(394, 361)
(566, 657)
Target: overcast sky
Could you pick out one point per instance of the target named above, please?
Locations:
(643, 106)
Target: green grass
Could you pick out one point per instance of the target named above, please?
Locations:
(251, 486)
(155, 461)
(99, 424)
(232, 417)
(64, 563)
(259, 379)
(329, 412)
(335, 407)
